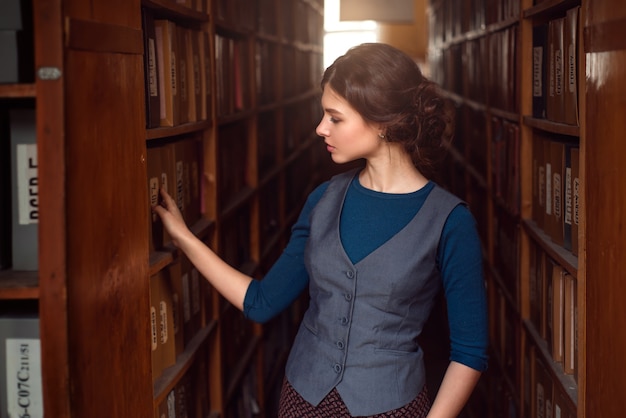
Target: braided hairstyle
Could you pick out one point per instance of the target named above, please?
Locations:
(386, 87)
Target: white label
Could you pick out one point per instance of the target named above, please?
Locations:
(23, 360)
(27, 184)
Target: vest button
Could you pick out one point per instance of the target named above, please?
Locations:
(337, 368)
(344, 320)
(348, 296)
(350, 274)
(340, 345)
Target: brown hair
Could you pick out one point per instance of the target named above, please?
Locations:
(387, 87)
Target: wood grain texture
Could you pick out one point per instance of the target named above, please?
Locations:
(605, 198)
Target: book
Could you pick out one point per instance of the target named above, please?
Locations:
(154, 171)
(204, 47)
(179, 305)
(183, 74)
(194, 75)
(155, 347)
(570, 326)
(540, 60)
(543, 389)
(167, 64)
(5, 190)
(576, 196)
(568, 196)
(558, 297)
(554, 103)
(20, 366)
(538, 181)
(25, 190)
(151, 73)
(570, 54)
(557, 152)
(16, 42)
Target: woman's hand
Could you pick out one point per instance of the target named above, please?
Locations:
(171, 217)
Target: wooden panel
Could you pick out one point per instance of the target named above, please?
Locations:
(115, 12)
(102, 37)
(108, 294)
(52, 226)
(606, 245)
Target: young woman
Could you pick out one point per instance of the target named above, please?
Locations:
(375, 246)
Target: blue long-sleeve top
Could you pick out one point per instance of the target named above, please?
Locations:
(369, 219)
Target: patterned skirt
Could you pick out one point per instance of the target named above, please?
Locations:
(292, 405)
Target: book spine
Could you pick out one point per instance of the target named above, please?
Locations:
(25, 190)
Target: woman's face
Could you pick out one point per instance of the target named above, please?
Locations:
(347, 135)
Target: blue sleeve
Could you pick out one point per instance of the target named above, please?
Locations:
(461, 265)
(288, 277)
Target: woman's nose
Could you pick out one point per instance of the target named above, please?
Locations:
(321, 130)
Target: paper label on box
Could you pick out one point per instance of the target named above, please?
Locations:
(27, 187)
(23, 361)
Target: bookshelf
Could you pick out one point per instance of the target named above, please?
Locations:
(535, 156)
(256, 159)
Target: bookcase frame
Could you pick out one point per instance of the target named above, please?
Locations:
(92, 286)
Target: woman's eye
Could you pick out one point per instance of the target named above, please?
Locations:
(333, 120)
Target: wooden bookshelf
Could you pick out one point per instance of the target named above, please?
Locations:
(93, 286)
(536, 378)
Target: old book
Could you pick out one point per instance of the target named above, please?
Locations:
(570, 54)
(20, 366)
(154, 171)
(576, 197)
(558, 297)
(543, 389)
(540, 64)
(538, 179)
(167, 64)
(165, 314)
(557, 152)
(183, 75)
(195, 75)
(155, 347)
(151, 74)
(178, 305)
(25, 190)
(554, 104)
(568, 196)
(570, 326)
(5, 190)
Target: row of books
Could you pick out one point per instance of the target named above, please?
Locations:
(452, 18)
(16, 42)
(175, 166)
(553, 308)
(524, 361)
(245, 399)
(505, 163)
(555, 189)
(502, 86)
(547, 397)
(177, 72)
(20, 365)
(180, 302)
(19, 183)
(483, 69)
(190, 397)
(232, 66)
(555, 63)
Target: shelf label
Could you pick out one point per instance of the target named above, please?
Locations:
(23, 368)
(27, 184)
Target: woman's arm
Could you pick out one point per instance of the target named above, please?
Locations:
(228, 281)
(456, 388)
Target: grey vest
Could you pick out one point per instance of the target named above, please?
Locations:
(360, 330)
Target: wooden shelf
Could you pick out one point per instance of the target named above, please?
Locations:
(19, 285)
(562, 256)
(166, 382)
(11, 91)
(553, 127)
